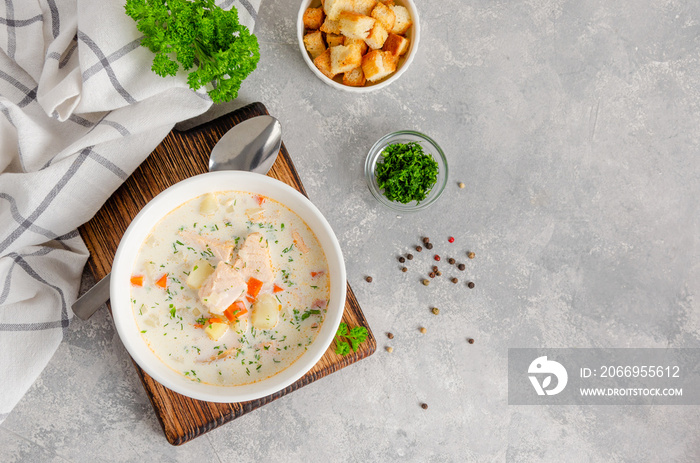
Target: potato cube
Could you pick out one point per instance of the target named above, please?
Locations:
(215, 330)
(313, 18)
(209, 204)
(314, 43)
(265, 312)
(200, 272)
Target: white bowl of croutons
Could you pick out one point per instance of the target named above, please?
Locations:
(358, 45)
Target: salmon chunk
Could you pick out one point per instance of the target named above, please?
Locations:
(222, 252)
(254, 259)
(222, 288)
(299, 241)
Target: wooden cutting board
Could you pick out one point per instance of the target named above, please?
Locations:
(179, 156)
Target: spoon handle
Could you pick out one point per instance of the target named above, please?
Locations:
(88, 303)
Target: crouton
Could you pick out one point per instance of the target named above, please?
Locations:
(364, 7)
(335, 39)
(314, 43)
(384, 15)
(387, 2)
(376, 36)
(378, 64)
(323, 63)
(396, 44)
(361, 43)
(354, 78)
(403, 20)
(345, 58)
(313, 18)
(330, 26)
(355, 26)
(333, 8)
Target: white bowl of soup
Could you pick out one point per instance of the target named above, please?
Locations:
(228, 286)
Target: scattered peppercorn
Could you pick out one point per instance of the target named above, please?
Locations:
(419, 249)
(423, 330)
(470, 341)
(409, 256)
(451, 239)
(368, 279)
(390, 335)
(402, 259)
(471, 255)
(455, 280)
(451, 261)
(424, 406)
(404, 269)
(438, 273)
(435, 268)
(431, 274)
(426, 240)
(390, 349)
(461, 266)
(437, 258)
(426, 282)
(429, 245)
(460, 184)
(436, 310)
(470, 284)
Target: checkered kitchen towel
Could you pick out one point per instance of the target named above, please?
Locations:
(79, 111)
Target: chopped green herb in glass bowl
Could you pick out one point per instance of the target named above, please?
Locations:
(406, 171)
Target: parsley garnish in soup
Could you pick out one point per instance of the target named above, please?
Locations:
(230, 288)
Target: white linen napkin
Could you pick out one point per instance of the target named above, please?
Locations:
(80, 109)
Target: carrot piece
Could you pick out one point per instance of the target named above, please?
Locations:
(315, 274)
(254, 286)
(137, 280)
(250, 299)
(215, 320)
(163, 282)
(277, 289)
(198, 325)
(259, 199)
(235, 310)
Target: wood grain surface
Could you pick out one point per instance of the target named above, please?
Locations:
(179, 156)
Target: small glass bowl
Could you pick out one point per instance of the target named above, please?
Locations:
(429, 147)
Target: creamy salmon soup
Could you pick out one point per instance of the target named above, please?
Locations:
(230, 288)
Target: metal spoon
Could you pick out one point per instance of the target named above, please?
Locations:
(252, 146)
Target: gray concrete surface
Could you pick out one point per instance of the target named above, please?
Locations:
(575, 127)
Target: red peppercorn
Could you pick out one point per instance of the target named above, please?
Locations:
(437, 258)
(451, 239)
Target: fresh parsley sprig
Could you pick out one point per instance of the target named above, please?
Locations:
(406, 173)
(356, 336)
(197, 33)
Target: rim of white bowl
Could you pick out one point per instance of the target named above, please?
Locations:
(164, 203)
(413, 49)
